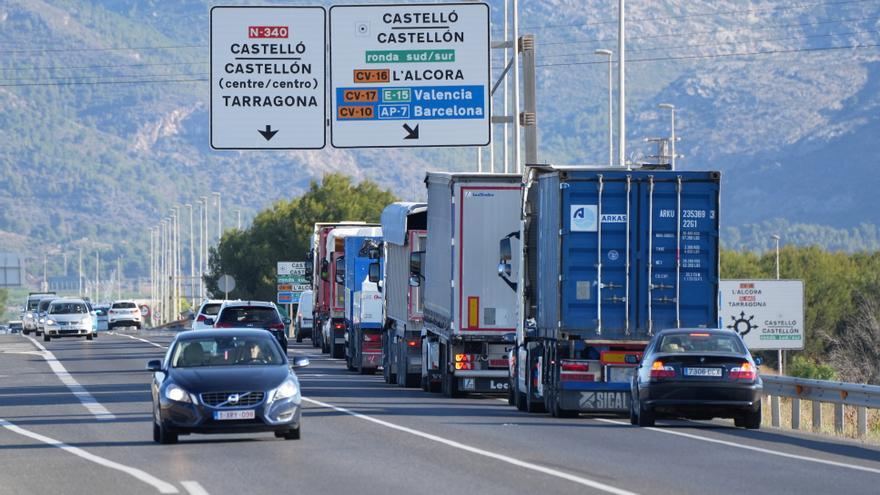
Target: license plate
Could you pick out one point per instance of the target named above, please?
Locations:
(227, 415)
(702, 371)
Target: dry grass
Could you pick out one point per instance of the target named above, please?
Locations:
(850, 428)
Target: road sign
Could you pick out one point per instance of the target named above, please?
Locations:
(291, 268)
(291, 279)
(268, 77)
(768, 314)
(226, 283)
(409, 75)
(289, 297)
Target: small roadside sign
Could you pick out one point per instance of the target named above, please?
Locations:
(291, 268)
(409, 75)
(291, 279)
(268, 77)
(768, 314)
(285, 287)
(289, 297)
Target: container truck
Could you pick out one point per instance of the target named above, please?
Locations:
(610, 257)
(362, 257)
(469, 311)
(338, 319)
(404, 232)
(319, 272)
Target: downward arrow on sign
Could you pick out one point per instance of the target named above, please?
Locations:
(410, 132)
(268, 133)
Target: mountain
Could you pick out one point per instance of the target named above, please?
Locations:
(104, 116)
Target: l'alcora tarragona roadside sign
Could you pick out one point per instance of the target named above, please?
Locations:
(409, 75)
(268, 81)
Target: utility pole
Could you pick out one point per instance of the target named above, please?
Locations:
(97, 276)
(45, 275)
(201, 252)
(621, 84)
(219, 218)
(516, 122)
(609, 54)
(192, 256)
(238, 212)
(80, 272)
(118, 277)
(780, 353)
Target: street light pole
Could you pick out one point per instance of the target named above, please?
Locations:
(219, 218)
(609, 53)
(192, 258)
(781, 355)
(671, 108)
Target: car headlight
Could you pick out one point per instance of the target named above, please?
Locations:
(30, 315)
(176, 393)
(42, 320)
(50, 322)
(287, 390)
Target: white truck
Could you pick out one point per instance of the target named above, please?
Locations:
(470, 313)
(404, 232)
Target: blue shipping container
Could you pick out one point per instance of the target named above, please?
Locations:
(621, 254)
(357, 266)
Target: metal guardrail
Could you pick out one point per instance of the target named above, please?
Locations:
(841, 394)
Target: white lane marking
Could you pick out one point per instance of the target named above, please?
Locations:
(752, 448)
(138, 338)
(194, 488)
(75, 388)
(161, 486)
(474, 450)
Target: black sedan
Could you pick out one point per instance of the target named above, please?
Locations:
(225, 381)
(697, 374)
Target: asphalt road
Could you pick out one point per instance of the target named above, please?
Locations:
(77, 420)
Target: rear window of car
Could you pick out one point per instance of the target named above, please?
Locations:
(211, 309)
(249, 314)
(124, 305)
(697, 342)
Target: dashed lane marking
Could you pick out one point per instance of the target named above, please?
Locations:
(161, 486)
(99, 411)
(194, 488)
(140, 339)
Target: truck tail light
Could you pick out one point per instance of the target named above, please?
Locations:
(660, 370)
(745, 372)
(576, 371)
(339, 325)
(464, 365)
(412, 343)
(368, 337)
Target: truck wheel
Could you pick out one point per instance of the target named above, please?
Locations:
(89, 337)
(337, 351)
(299, 338)
(424, 383)
(46, 338)
(411, 380)
(450, 386)
(534, 406)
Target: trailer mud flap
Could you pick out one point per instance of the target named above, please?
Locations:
(485, 385)
(596, 401)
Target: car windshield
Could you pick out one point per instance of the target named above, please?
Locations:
(124, 305)
(226, 351)
(697, 342)
(246, 315)
(211, 309)
(71, 308)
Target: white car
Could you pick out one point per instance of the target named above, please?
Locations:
(208, 309)
(68, 318)
(124, 313)
(302, 326)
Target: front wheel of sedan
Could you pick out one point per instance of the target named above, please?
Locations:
(46, 338)
(162, 435)
(292, 434)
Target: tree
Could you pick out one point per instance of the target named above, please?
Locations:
(283, 233)
(4, 298)
(855, 351)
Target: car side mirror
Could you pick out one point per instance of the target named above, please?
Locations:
(325, 269)
(758, 360)
(286, 321)
(414, 281)
(300, 362)
(209, 322)
(509, 338)
(374, 272)
(154, 365)
(505, 250)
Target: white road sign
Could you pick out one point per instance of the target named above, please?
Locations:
(268, 79)
(291, 268)
(769, 314)
(409, 75)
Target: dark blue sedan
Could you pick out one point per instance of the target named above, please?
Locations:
(225, 381)
(697, 374)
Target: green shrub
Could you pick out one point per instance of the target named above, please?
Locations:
(804, 367)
